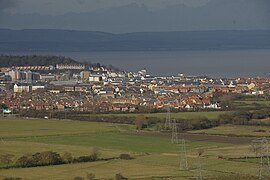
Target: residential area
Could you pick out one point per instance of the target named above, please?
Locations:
(75, 87)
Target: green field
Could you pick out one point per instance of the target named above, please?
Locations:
(154, 155)
(251, 103)
(180, 115)
(237, 130)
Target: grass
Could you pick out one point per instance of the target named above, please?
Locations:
(237, 130)
(32, 127)
(155, 157)
(251, 103)
(261, 102)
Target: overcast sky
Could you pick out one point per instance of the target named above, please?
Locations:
(135, 15)
(56, 7)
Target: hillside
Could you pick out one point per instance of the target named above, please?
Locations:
(85, 41)
(33, 60)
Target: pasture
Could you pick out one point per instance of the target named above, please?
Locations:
(237, 130)
(155, 157)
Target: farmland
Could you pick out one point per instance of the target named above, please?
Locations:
(237, 130)
(154, 157)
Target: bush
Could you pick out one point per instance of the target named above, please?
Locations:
(260, 130)
(67, 158)
(25, 161)
(78, 178)
(120, 177)
(90, 176)
(40, 159)
(92, 157)
(125, 156)
(6, 159)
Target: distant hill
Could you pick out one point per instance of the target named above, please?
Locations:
(33, 60)
(83, 41)
(45, 60)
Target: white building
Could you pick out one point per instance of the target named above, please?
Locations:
(97, 78)
(19, 88)
(70, 66)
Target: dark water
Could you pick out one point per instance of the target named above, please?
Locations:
(225, 63)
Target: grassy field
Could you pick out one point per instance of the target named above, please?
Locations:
(154, 155)
(183, 115)
(251, 103)
(237, 130)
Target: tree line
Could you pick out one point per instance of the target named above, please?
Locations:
(46, 158)
(33, 60)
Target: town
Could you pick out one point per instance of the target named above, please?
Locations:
(99, 89)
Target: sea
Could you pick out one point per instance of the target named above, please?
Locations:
(211, 63)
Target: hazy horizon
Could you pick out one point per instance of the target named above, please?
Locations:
(214, 63)
(123, 16)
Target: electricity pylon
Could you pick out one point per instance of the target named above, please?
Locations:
(183, 165)
(168, 122)
(264, 168)
(174, 132)
(199, 172)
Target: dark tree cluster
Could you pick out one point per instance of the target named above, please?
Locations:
(245, 117)
(47, 158)
(34, 60)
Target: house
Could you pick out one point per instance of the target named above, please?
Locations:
(211, 106)
(19, 88)
(97, 78)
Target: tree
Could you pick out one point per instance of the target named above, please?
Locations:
(226, 101)
(95, 154)
(139, 121)
(6, 159)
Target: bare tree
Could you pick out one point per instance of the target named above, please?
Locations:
(139, 121)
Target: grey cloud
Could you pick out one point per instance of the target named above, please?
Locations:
(81, 1)
(215, 15)
(6, 4)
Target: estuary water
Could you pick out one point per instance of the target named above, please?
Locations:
(214, 63)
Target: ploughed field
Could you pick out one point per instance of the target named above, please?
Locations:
(153, 154)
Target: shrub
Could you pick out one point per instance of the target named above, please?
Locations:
(125, 156)
(200, 152)
(25, 161)
(12, 178)
(78, 178)
(120, 177)
(260, 130)
(90, 176)
(6, 159)
(92, 157)
(40, 159)
(67, 158)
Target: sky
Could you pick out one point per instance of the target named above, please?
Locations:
(122, 16)
(58, 7)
